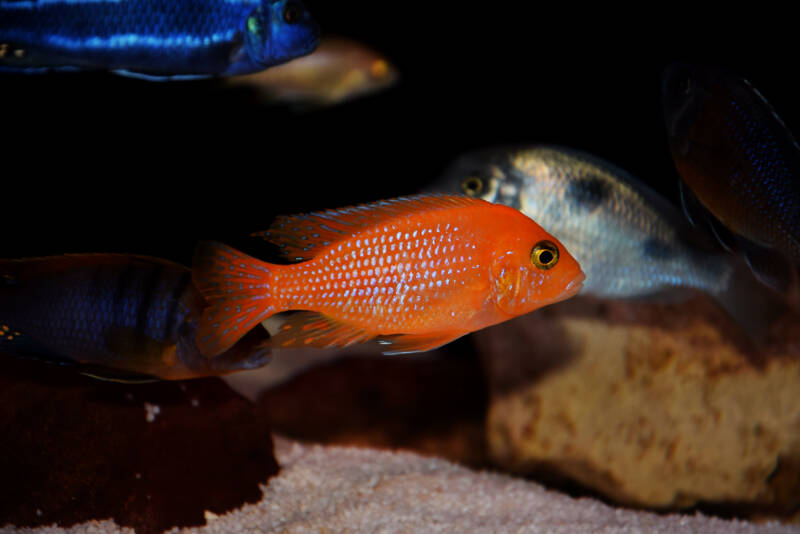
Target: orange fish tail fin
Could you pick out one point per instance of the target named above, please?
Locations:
(238, 290)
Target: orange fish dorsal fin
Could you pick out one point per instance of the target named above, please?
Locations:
(300, 236)
(310, 329)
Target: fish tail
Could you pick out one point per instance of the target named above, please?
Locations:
(754, 306)
(238, 290)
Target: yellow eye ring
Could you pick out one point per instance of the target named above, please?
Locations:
(544, 255)
(473, 186)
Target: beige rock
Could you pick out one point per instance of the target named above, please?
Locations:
(658, 405)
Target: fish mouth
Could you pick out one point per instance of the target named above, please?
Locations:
(574, 287)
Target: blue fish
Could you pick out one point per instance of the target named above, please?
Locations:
(112, 316)
(153, 39)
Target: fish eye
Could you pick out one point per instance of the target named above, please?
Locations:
(473, 186)
(292, 12)
(253, 25)
(544, 255)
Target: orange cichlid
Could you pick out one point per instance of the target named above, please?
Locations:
(413, 273)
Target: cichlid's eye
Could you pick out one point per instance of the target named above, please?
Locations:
(253, 25)
(473, 186)
(544, 255)
(292, 12)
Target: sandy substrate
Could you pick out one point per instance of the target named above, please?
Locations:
(338, 489)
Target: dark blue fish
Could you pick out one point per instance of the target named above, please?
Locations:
(153, 39)
(740, 166)
(113, 316)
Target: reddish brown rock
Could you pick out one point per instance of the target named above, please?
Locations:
(150, 456)
(433, 403)
(661, 405)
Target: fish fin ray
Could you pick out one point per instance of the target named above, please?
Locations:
(312, 329)
(754, 307)
(409, 343)
(700, 217)
(160, 77)
(301, 236)
(12, 341)
(238, 290)
(691, 206)
(17, 344)
(250, 352)
(113, 375)
(770, 267)
(724, 236)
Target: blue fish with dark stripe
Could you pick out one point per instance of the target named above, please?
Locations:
(153, 39)
(113, 316)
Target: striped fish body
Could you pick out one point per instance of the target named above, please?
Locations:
(415, 273)
(131, 314)
(735, 155)
(157, 38)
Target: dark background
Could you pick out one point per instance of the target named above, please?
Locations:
(99, 163)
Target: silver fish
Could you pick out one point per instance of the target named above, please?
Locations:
(629, 240)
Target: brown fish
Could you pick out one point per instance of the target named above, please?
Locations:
(741, 164)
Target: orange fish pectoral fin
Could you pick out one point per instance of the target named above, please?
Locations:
(239, 294)
(408, 343)
(311, 329)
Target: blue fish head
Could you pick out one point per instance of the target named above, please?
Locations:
(278, 31)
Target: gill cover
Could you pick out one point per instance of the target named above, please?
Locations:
(507, 279)
(279, 30)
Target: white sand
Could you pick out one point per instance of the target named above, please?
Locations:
(340, 489)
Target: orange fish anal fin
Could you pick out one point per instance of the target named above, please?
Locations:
(301, 236)
(310, 329)
(408, 343)
(239, 295)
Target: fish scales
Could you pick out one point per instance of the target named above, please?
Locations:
(415, 273)
(160, 38)
(73, 308)
(765, 153)
(735, 153)
(131, 313)
(390, 275)
(739, 165)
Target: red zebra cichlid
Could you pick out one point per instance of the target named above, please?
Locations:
(415, 273)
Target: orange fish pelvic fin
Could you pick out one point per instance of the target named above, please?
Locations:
(409, 343)
(311, 329)
(238, 289)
